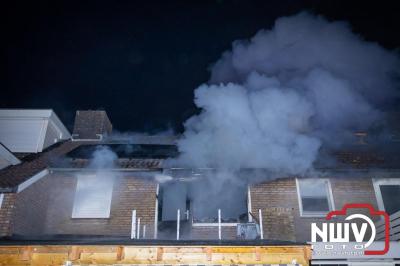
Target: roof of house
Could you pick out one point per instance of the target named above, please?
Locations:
(11, 177)
(76, 155)
(372, 156)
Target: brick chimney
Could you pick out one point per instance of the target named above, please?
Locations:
(91, 125)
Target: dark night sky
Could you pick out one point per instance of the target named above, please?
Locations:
(141, 60)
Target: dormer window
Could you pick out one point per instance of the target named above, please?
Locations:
(387, 193)
(92, 197)
(315, 196)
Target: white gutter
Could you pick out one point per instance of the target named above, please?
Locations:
(32, 180)
(75, 139)
(219, 224)
(133, 225)
(156, 213)
(261, 224)
(249, 210)
(178, 223)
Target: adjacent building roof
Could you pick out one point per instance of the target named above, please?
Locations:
(30, 131)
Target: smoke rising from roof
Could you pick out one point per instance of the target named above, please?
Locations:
(103, 158)
(273, 101)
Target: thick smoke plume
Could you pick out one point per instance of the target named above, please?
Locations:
(275, 100)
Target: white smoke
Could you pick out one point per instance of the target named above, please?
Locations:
(166, 137)
(273, 101)
(103, 158)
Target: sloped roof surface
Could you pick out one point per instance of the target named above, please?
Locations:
(12, 176)
(72, 154)
(75, 155)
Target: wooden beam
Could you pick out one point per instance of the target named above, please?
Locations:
(75, 253)
(27, 253)
(208, 253)
(160, 252)
(307, 253)
(120, 253)
(258, 255)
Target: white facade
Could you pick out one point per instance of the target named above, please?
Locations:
(30, 131)
(7, 158)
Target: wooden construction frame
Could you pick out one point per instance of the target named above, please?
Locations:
(153, 255)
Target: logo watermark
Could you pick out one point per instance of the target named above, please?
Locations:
(335, 236)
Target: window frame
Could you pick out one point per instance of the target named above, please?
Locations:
(79, 215)
(329, 195)
(233, 224)
(377, 182)
(1, 199)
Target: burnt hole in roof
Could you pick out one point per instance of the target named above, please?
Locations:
(145, 151)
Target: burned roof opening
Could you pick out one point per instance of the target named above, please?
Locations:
(145, 151)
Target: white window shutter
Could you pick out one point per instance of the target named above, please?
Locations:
(93, 197)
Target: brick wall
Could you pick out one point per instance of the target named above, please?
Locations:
(31, 207)
(49, 212)
(46, 208)
(6, 212)
(344, 190)
(278, 201)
